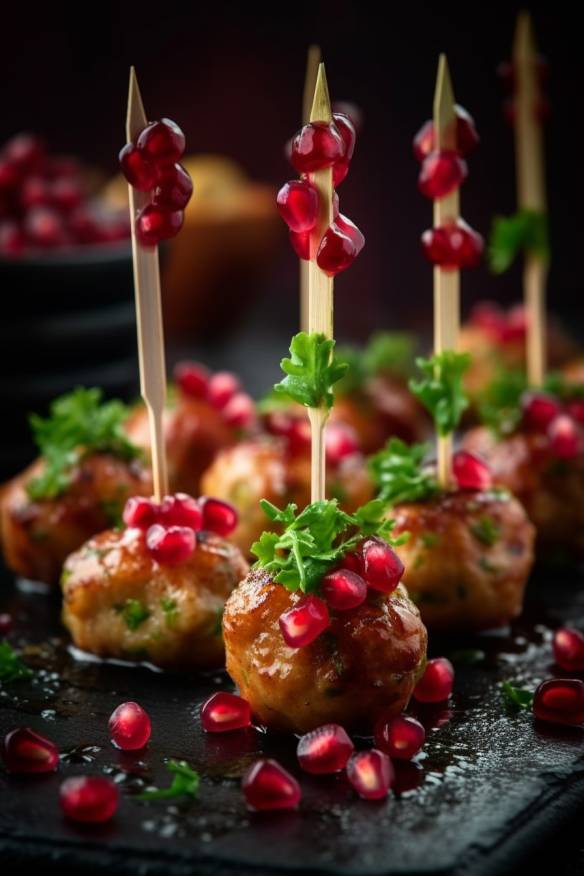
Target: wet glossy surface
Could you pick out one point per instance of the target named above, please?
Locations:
(484, 791)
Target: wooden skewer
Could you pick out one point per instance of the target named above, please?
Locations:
(312, 64)
(446, 283)
(531, 195)
(148, 310)
(320, 286)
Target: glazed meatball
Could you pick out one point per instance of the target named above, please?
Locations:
(467, 558)
(119, 602)
(264, 469)
(366, 663)
(38, 534)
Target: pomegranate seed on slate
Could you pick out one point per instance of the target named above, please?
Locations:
(239, 411)
(192, 378)
(471, 472)
(400, 737)
(560, 701)
(25, 751)
(219, 517)
(225, 711)
(222, 387)
(441, 173)
(436, 683)
(181, 510)
(298, 205)
(12, 239)
(371, 774)
(139, 172)
(565, 438)
(382, 568)
(44, 227)
(341, 441)
(350, 229)
(303, 623)
(344, 589)
(161, 142)
(129, 727)
(89, 799)
(154, 224)
(267, 785)
(315, 146)
(453, 246)
(568, 647)
(173, 189)
(324, 750)
(170, 545)
(539, 409)
(5, 623)
(300, 241)
(336, 251)
(467, 138)
(575, 409)
(346, 129)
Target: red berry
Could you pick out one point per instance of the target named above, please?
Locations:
(193, 379)
(539, 409)
(139, 172)
(315, 146)
(44, 227)
(514, 326)
(5, 623)
(436, 683)
(471, 472)
(351, 110)
(9, 175)
(297, 202)
(424, 140)
(267, 785)
(336, 251)
(240, 411)
(560, 701)
(12, 239)
(346, 129)
(371, 774)
(324, 750)
(154, 224)
(181, 510)
(568, 647)
(467, 138)
(575, 409)
(304, 622)
(400, 737)
(25, 751)
(298, 436)
(222, 387)
(129, 727)
(353, 562)
(565, 438)
(66, 194)
(170, 545)
(140, 512)
(488, 316)
(225, 711)
(161, 142)
(350, 229)
(442, 172)
(382, 568)
(89, 799)
(219, 517)
(343, 589)
(174, 188)
(340, 171)
(453, 246)
(341, 441)
(24, 151)
(300, 241)
(35, 192)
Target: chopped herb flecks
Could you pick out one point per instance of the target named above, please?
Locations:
(12, 667)
(486, 530)
(134, 613)
(185, 783)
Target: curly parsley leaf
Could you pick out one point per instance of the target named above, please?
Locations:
(440, 390)
(515, 698)
(185, 783)
(398, 473)
(386, 353)
(526, 231)
(11, 666)
(499, 404)
(311, 371)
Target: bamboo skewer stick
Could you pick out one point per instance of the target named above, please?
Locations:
(148, 310)
(312, 64)
(320, 286)
(529, 160)
(446, 283)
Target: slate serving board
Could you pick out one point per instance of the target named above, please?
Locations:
(489, 786)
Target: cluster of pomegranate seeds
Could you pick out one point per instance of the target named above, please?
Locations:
(89, 799)
(503, 326)
(25, 751)
(568, 648)
(223, 712)
(545, 413)
(467, 138)
(324, 750)
(341, 440)
(560, 701)
(371, 774)
(435, 685)
(130, 727)
(542, 108)
(151, 165)
(453, 246)
(222, 390)
(304, 622)
(267, 786)
(471, 472)
(45, 203)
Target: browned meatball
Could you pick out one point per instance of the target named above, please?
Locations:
(119, 602)
(467, 559)
(263, 469)
(37, 535)
(574, 371)
(366, 663)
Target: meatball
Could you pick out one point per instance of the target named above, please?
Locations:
(366, 663)
(264, 469)
(119, 602)
(574, 371)
(467, 558)
(38, 534)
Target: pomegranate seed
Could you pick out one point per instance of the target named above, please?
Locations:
(139, 172)
(515, 325)
(297, 202)
(471, 472)
(344, 589)
(129, 727)
(565, 438)
(568, 647)
(5, 623)
(181, 510)
(350, 229)
(25, 151)
(35, 192)
(424, 140)
(400, 737)
(351, 110)
(9, 175)
(267, 785)
(89, 799)
(26, 751)
(341, 441)
(453, 246)
(336, 251)
(225, 711)
(66, 194)
(140, 512)
(170, 545)
(489, 316)
(219, 517)
(371, 774)
(340, 171)
(161, 142)
(303, 623)
(301, 244)
(174, 188)
(353, 562)
(382, 568)
(436, 683)
(239, 411)
(298, 436)
(44, 227)
(575, 409)
(560, 700)
(12, 239)
(222, 387)
(154, 224)
(539, 409)
(193, 379)
(441, 173)
(467, 138)
(316, 145)
(324, 750)
(346, 129)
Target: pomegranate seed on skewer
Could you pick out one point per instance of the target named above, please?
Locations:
(223, 712)
(467, 138)
(301, 244)
(267, 785)
(129, 727)
(371, 774)
(315, 146)
(170, 545)
(89, 799)
(140, 512)
(565, 438)
(568, 648)
(442, 172)
(297, 202)
(193, 379)
(539, 409)
(400, 737)
(346, 129)
(162, 143)
(173, 189)
(138, 171)
(436, 683)
(154, 224)
(336, 251)
(560, 701)
(382, 568)
(25, 751)
(303, 623)
(181, 510)
(239, 411)
(221, 388)
(350, 229)
(453, 246)
(324, 750)
(471, 472)
(218, 516)
(343, 589)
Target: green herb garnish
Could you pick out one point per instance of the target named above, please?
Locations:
(134, 613)
(398, 474)
(311, 371)
(170, 608)
(499, 404)
(515, 697)
(185, 783)
(12, 667)
(467, 657)
(386, 353)
(486, 530)
(440, 390)
(526, 231)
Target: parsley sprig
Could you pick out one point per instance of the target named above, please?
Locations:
(526, 231)
(11, 666)
(398, 473)
(440, 390)
(515, 698)
(311, 371)
(386, 353)
(315, 539)
(185, 783)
